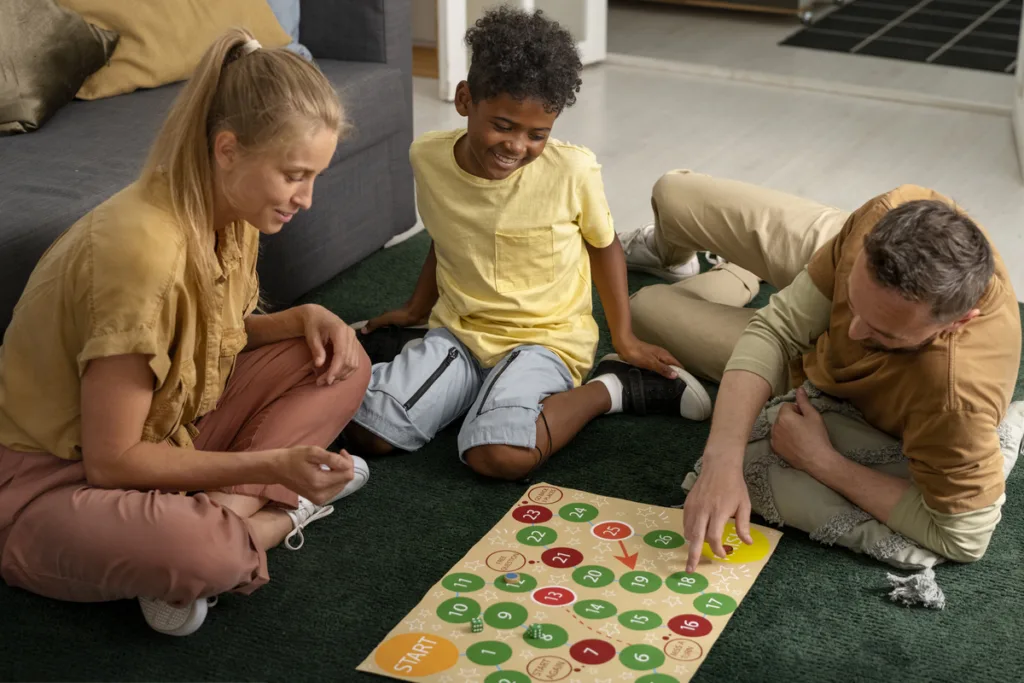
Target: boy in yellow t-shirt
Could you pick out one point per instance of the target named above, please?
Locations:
(517, 222)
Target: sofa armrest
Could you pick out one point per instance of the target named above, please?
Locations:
(358, 30)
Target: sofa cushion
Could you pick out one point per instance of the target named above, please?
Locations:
(90, 150)
(162, 42)
(46, 53)
(288, 13)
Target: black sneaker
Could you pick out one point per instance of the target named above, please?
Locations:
(645, 392)
(385, 343)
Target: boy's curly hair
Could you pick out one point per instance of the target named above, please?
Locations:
(524, 55)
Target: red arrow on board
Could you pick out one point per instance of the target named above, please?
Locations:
(627, 559)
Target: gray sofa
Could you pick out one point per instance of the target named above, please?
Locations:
(90, 150)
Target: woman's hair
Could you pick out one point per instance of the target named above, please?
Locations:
(266, 97)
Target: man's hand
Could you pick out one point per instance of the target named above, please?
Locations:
(644, 355)
(799, 436)
(719, 494)
(321, 327)
(400, 317)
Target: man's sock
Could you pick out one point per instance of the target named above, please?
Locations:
(614, 386)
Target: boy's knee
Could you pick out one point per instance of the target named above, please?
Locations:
(364, 442)
(964, 549)
(501, 462)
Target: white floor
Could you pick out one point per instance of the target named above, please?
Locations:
(835, 149)
(743, 44)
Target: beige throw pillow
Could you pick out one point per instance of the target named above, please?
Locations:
(162, 41)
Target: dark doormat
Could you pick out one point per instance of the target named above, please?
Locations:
(972, 34)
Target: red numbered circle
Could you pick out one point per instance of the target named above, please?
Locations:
(562, 557)
(612, 531)
(690, 625)
(556, 596)
(592, 652)
(531, 514)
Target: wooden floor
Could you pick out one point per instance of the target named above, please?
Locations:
(424, 62)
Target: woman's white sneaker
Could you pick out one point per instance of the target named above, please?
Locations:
(175, 621)
(308, 512)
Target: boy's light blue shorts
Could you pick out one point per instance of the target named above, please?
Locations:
(433, 383)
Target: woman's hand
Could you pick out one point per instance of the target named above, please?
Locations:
(312, 472)
(321, 327)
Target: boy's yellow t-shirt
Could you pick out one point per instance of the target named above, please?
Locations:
(512, 265)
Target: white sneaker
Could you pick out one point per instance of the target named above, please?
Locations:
(308, 512)
(642, 256)
(175, 621)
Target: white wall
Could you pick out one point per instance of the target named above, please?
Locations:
(1018, 102)
(424, 23)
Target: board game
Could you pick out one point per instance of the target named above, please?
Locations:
(571, 586)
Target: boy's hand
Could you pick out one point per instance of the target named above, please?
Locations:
(644, 355)
(400, 317)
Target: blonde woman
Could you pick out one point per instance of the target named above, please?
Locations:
(136, 367)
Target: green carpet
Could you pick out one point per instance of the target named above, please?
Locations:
(815, 614)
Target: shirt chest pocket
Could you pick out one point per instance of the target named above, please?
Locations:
(523, 259)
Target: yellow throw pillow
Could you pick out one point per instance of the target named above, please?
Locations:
(162, 41)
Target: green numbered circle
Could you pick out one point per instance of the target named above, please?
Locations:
(536, 535)
(507, 677)
(505, 615)
(463, 583)
(593, 576)
(551, 636)
(715, 604)
(664, 539)
(653, 678)
(595, 609)
(687, 584)
(458, 610)
(526, 584)
(640, 582)
(641, 657)
(640, 620)
(578, 512)
(488, 653)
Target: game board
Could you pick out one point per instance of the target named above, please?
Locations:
(602, 577)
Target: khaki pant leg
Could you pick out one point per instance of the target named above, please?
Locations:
(769, 233)
(700, 334)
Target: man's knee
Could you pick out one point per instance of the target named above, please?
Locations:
(501, 462)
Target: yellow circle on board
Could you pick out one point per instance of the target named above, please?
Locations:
(416, 654)
(741, 552)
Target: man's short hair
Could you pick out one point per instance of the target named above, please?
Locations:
(524, 55)
(929, 251)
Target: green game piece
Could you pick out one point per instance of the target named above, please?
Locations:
(547, 636)
(526, 584)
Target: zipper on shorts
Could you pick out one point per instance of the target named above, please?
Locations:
(449, 359)
(515, 354)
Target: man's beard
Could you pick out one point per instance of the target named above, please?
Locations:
(873, 346)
